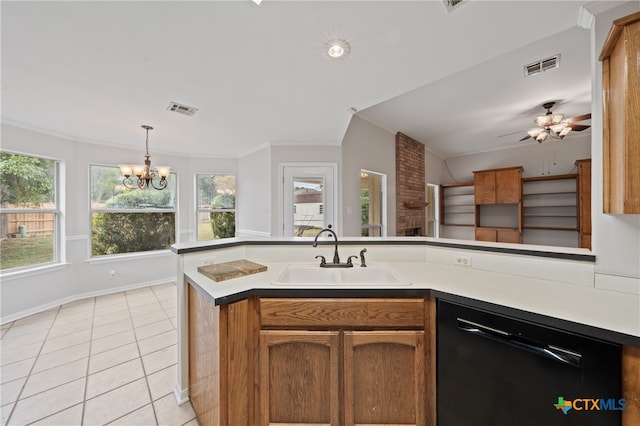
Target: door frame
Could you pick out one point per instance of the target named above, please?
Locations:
(334, 195)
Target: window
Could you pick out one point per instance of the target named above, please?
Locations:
(130, 220)
(29, 211)
(215, 206)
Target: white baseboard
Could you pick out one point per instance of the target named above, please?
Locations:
(68, 299)
(181, 395)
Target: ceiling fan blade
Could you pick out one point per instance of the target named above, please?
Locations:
(579, 118)
(509, 134)
(525, 138)
(578, 127)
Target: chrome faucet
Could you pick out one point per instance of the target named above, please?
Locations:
(363, 263)
(336, 257)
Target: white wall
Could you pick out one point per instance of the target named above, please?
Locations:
(254, 194)
(80, 276)
(616, 238)
(549, 158)
(369, 147)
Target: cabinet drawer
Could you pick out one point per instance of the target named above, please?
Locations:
(360, 313)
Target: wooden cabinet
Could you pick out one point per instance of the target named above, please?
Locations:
(621, 116)
(357, 361)
(320, 361)
(498, 205)
(384, 378)
(500, 235)
(498, 186)
(584, 202)
(379, 379)
(299, 377)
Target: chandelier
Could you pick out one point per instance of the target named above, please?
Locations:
(551, 124)
(144, 173)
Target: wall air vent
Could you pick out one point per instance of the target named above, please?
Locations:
(451, 4)
(182, 109)
(542, 65)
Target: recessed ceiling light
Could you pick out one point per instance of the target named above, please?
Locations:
(337, 48)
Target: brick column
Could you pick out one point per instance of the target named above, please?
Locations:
(410, 185)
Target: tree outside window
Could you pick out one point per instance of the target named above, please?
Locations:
(215, 206)
(29, 212)
(129, 220)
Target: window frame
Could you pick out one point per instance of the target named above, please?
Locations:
(92, 211)
(59, 253)
(199, 210)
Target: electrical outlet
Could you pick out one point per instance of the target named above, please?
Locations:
(462, 260)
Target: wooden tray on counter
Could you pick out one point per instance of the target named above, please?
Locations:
(228, 270)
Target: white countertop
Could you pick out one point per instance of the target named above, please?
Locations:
(610, 310)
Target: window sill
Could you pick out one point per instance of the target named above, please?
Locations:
(37, 270)
(112, 258)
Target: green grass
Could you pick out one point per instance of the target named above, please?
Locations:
(204, 231)
(17, 252)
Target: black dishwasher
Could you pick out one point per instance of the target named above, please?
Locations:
(495, 370)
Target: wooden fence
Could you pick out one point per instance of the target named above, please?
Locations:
(29, 224)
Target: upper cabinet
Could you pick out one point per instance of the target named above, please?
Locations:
(498, 186)
(498, 204)
(621, 116)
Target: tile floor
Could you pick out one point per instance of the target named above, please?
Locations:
(103, 360)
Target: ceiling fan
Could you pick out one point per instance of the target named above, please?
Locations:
(555, 125)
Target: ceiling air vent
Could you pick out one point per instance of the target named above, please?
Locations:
(542, 65)
(451, 4)
(182, 109)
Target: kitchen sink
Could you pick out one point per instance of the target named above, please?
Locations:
(372, 275)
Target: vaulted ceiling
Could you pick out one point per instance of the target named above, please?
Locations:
(95, 71)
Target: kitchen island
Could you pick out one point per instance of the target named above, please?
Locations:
(246, 343)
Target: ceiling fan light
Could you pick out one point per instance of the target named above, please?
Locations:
(557, 128)
(542, 136)
(557, 118)
(543, 120)
(534, 132)
(564, 132)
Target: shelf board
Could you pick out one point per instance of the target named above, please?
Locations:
(550, 193)
(550, 215)
(550, 228)
(457, 224)
(418, 204)
(555, 177)
(548, 206)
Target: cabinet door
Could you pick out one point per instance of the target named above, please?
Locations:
(508, 236)
(484, 183)
(384, 377)
(486, 234)
(299, 377)
(508, 186)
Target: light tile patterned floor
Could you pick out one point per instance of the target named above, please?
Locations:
(103, 360)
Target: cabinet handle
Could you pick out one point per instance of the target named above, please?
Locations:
(548, 351)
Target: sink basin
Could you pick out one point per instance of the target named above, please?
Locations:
(372, 275)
